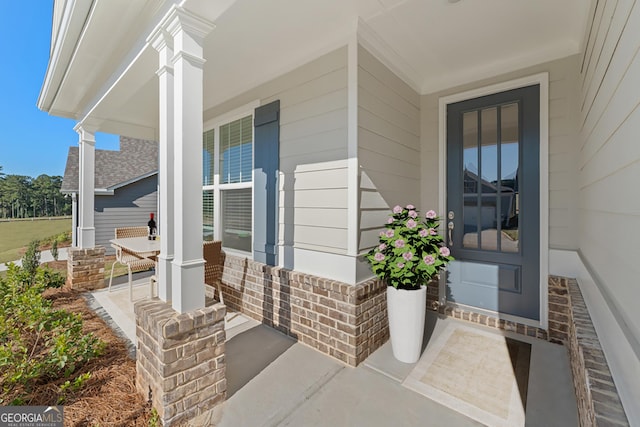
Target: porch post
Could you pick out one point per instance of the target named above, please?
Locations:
(188, 31)
(74, 220)
(163, 43)
(86, 231)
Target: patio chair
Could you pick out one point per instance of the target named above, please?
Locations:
(133, 261)
(212, 254)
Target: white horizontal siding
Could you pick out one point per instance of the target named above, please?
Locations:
(313, 125)
(319, 106)
(331, 239)
(609, 173)
(600, 77)
(330, 140)
(388, 165)
(331, 178)
(372, 180)
(317, 217)
(313, 152)
(388, 145)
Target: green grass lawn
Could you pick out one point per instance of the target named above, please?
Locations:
(15, 235)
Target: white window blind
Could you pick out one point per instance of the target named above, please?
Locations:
(236, 151)
(207, 215)
(236, 218)
(208, 151)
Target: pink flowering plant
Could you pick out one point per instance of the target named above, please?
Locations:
(410, 252)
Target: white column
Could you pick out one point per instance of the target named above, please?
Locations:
(163, 43)
(86, 188)
(74, 220)
(188, 31)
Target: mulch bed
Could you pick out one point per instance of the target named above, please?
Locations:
(109, 397)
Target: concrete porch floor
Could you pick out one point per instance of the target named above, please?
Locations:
(275, 381)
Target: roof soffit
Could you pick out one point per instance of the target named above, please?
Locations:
(111, 35)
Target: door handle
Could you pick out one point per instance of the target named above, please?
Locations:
(450, 227)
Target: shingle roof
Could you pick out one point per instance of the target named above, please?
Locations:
(136, 159)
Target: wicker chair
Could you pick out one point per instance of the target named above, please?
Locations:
(212, 254)
(133, 261)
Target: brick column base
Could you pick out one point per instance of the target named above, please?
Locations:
(85, 268)
(180, 362)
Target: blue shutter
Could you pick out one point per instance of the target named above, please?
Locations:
(266, 160)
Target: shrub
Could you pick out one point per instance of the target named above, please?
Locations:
(49, 277)
(37, 342)
(31, 259)
(72, 386)
(63, 237)
(54, 249)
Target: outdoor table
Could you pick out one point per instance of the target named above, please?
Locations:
(140, 247)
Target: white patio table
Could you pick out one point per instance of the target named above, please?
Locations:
(142, 249)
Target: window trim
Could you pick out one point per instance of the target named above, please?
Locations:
(215, 124)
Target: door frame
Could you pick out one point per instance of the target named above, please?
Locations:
(541, 79)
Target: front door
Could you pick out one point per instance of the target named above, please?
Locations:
(493, 206)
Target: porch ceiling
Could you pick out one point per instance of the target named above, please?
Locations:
(431, 44)
(449, 43)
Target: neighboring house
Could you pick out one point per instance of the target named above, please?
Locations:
(313, 119)
(126, 184)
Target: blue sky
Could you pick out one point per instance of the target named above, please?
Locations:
(31, 141)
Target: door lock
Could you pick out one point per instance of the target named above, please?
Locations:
(451, 215)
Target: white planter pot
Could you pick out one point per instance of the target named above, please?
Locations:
(407, 311)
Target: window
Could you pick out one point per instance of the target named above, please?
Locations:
(236, 219)
(228, 183)
(208, 154)
(236, 151)
(207, 215)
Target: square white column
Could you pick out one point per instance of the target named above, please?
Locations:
(74, 220)
(188, 31)
(86, 238)
(163, 43)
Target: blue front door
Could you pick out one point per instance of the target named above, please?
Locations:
(493, 202)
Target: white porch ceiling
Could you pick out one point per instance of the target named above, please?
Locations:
(444, 44)
(431, 44)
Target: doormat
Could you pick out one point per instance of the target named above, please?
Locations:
(477, 373)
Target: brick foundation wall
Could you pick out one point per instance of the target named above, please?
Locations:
(482, 319)
(347, 322)
(180, 360)
(598, 400)
(559, 310)
(85, 268)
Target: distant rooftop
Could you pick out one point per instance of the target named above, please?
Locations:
(136, 159)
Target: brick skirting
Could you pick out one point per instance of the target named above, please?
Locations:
(463, 314)
(85, 268)
(347, 322)
(598, 400)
